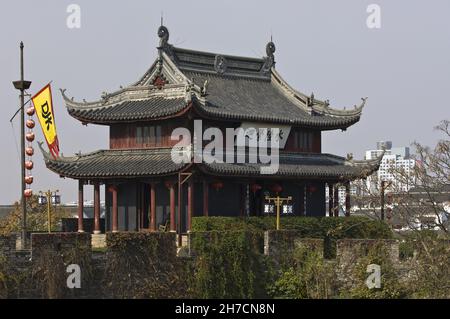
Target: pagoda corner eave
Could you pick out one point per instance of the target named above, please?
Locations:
(131, 105)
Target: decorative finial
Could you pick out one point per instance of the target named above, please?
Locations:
(105, 96)
(204, 88)
(270, 48)
(220, 64)
(269, 60)
(21, 44)
(163, 34)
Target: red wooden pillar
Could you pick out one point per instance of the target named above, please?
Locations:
(205, 198)
(97, 208)
(330, 200)
(172, 207)
(347, 199)
(190, 203)
(242, 190)
(143, 208)
(302, 200)
(80, 206)
(115, 209)
(336, 201)
(152, 207)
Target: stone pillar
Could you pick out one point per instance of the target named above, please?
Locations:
(190, 203)
(347, 199)
(80, 206)
(172, 207)
(336, 200)
(115, 209)
(97, 208)
(205, 198)
(330, 200)
(152, 207)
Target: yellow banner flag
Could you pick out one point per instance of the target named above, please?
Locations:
(43, 105)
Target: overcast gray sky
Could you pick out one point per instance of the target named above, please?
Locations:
(323, 47)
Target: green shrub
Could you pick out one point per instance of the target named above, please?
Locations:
(391, 285)
(309, 277)
(228, 265)
(406, 249)
(147, 266)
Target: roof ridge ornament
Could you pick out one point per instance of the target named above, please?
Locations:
(163, 34)
(220, 64)
(269, 60)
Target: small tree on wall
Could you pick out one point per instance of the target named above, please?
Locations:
(37, 218)
(422, 208)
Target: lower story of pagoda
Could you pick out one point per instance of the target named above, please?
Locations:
(146, 189)
(154, 205)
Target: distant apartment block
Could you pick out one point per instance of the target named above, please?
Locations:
(395, 159)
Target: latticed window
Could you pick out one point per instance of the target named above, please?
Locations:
(149, 135)
(303, 140)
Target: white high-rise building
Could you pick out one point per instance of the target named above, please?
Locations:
(394, 160)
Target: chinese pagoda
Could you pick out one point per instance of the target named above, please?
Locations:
(146, 189)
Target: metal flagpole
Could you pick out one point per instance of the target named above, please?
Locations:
(22, 85)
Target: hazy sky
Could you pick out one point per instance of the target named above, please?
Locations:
(323, 47)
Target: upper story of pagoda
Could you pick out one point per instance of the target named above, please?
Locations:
(217, 87)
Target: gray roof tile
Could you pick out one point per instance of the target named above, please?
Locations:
(130, 110)
(106, 164)
(158, 162)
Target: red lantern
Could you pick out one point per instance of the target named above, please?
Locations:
(168, 184)
(30, 137)
(276, 188)
(29, 165)
(312, 189)
(29, 151)
(28, 193)
(29, 180)
(30, 123)
(217, 185)
(30, 111)
(255, 187)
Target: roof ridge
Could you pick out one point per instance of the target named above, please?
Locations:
(232, 56)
